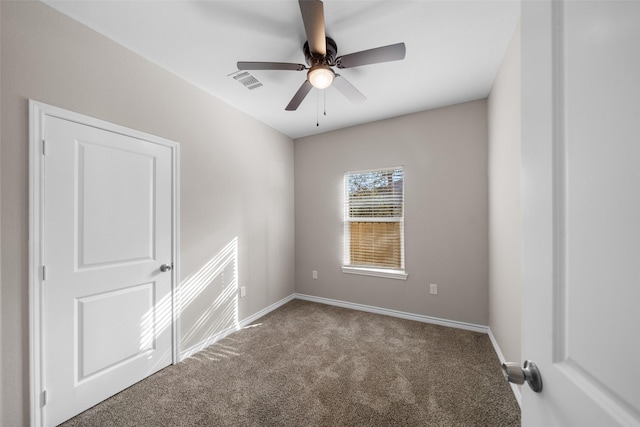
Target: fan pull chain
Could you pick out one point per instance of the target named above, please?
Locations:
(325, 102)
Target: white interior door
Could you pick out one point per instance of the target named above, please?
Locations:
(581, 211)
(107, 229)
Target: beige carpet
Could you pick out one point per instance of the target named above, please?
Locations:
(309, 364)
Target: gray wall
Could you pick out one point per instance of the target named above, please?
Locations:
(236, 172)
(504, 203)
(444, 153)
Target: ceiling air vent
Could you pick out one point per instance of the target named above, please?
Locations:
(247, 80)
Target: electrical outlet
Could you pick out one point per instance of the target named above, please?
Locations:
(433, 289)
(243, 291)
(314, 274)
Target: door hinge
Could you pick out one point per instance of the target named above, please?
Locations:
(44, 273)
(43, 398)
(44, 147)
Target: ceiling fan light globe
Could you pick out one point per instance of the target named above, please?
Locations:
(320, 76)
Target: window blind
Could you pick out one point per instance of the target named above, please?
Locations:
(374, 218)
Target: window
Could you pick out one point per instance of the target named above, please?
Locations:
(374, 223)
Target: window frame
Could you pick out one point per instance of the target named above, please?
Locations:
(385, 272)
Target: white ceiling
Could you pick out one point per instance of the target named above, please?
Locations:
(454, 50)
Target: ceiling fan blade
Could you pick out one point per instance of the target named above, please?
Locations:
(299, 96)
(348, 90)
(392, 52)
(244, 65)
(313, 18)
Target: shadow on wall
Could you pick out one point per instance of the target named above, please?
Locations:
(208, 301)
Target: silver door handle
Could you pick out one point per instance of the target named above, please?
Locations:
(529, 373)
(165, 267)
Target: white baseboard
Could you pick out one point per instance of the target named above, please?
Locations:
(228, 331)
(394, 313)
(516, 390)
(267, 310)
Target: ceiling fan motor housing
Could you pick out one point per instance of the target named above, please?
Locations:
(328, 59)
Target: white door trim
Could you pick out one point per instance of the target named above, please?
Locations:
(37, 113)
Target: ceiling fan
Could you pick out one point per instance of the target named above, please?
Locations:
(320, 53)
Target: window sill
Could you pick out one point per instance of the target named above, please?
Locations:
(377, 272)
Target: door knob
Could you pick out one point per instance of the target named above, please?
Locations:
(529, 373)
(165, 267)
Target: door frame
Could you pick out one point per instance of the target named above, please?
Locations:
(37, 113)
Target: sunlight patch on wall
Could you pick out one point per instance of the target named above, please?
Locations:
(209, 301)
